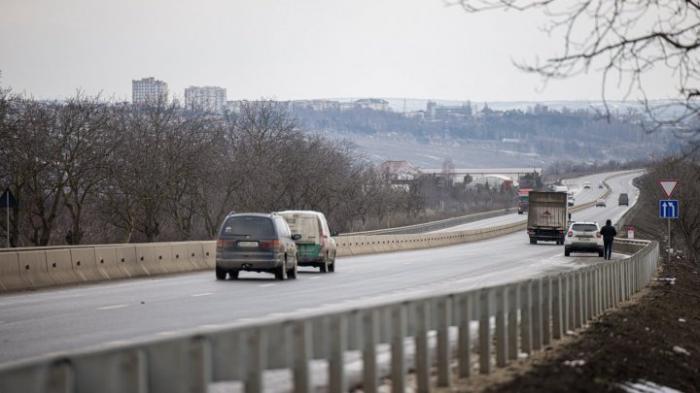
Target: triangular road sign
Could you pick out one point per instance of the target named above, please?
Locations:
(668, 186)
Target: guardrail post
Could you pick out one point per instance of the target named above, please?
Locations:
(501, 337)
(536, 321)
(201, 371)
(578, 277)
(584, 296)
(398, 368)
(336, 364)
(525, 323)
(565, 303)
(443, 337)
(590, 298)
(598, 290)
(369, 351)
(484, 332)
(546, 311)
(302, 351)
(557, 320)
(513, 303)
(256, 362)
(60, 378)
(464, 338)
(571, 299)
(605, 284)
(615, 284)
(422, 352)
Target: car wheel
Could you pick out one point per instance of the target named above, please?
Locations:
(233, 274)
(533, 241)
(220, 273)
(281, 272)
(567, 253)
(331, 267)
(600, 254)
(324, 265)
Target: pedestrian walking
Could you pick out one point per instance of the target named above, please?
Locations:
(609, 233)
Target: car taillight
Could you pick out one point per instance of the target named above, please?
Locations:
(570, 234)
(597, 234)
(270, 245)
(220, 243)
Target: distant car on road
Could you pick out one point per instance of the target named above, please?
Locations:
(624, 199)
(316, 247)
(600, 185)
(587, 185)
(583, 237)
(571, 201)
(600, 203)
(256, 242)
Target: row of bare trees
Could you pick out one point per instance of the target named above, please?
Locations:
(90, 171)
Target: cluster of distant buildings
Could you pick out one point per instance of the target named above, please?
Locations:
(213, 98)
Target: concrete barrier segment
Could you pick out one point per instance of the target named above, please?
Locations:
(34, 270)
(60, 267)
(85, 265)
(10, 276)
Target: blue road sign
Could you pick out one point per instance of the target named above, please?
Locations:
(668, 208)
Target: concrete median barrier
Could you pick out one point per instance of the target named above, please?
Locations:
(181, 258)
(60, 267)
(147, 258)
(85, 266)
(10, 277)
(209, 250)
(122, 263)
(34, 270)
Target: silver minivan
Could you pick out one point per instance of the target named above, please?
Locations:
(256, 242)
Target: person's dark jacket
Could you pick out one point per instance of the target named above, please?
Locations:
(608, 232)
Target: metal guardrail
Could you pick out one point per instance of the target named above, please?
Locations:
(432, 225)
(527, 316)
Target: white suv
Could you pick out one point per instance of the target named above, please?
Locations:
(583, 237)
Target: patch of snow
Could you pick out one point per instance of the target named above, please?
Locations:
(680, 350)
(643, 386)
(668, 280)
(681, 320)
(523, 355)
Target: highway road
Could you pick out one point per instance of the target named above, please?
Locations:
(55, 320)
(582, 196)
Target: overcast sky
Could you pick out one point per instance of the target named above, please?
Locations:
(283, 49)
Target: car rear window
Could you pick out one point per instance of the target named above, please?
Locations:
(306, 225)
(252, 227)
(585, 227)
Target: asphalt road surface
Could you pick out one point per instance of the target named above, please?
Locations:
(56, 320)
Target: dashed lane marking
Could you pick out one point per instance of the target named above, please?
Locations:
(202, 294)
(266, 285)
(113, 307)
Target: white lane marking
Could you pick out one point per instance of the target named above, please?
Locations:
(266, 285)
(314, 278)
(166, 333)
(202, 294)
(113, 307)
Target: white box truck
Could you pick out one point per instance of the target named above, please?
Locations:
(547, 217)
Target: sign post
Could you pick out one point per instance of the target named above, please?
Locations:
(668, 208)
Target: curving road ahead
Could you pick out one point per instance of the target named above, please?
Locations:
(55, 320)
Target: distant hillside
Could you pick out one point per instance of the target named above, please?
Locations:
(477, 136)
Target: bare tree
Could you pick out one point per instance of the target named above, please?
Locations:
(625, 40)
